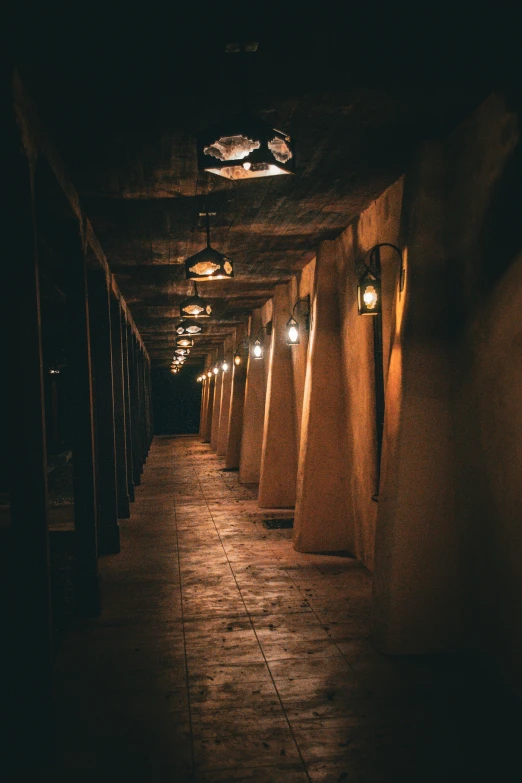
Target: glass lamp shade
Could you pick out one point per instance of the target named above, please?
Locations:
(224, 366)
(292, 332)
(257, 350)
(195, 307)
(184, 342)
(188, 327)
(244, 147)
(208, 264)
(182, 351)
(237, 358)
(174, 370)
(369, 295)
(209, 374)
(215, 370)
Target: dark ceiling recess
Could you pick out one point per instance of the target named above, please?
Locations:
(124, 101)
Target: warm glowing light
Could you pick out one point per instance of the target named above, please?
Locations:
(209, 374)
(370, 297)
(224, 366)
(215, 370)
(293, 334)
(258, 350)
(237, 359)
(185, 343)
(247, 166)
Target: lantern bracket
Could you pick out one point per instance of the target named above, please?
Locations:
(374, 265)
(267, 327)
(306, 315)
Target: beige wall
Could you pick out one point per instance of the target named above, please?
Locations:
(444, 536)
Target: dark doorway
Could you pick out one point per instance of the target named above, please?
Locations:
(176, 401)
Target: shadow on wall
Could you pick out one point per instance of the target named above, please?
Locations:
(176, 401)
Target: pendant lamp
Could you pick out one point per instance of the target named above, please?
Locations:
(208, 264)
(188, 327)
(244, 146)
(195, 306)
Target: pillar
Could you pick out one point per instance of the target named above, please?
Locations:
(81, 421)
(28, 728)
(321, 516)
(127, 404)
(226, 391)
(279, 451)
(237, 401)
(103, 395)
(119, 411)
(137, 464)
(416, 590)
(211, 384)
(216, 405)
(254, 410)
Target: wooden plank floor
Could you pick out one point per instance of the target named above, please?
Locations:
(224, 655)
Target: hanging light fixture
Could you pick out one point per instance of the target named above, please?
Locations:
(215, 369)
(188, 327)
(208, 264)
(224, 365)
(174, 369)
(195, 306)
(184, 342)
(244, 146)
(293, 336)
(209, 374)
(182, 351)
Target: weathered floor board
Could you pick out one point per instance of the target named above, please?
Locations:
(224, 655)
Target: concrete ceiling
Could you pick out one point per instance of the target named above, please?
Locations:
(124, 123)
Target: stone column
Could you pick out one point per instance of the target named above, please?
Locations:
(119, 411)
(226, 391)
(237, 402)
(416, 589)
(204, 404)
(211, 384)
(127, 403)
(137, 463)
(279, 451)
(218, 385)
(26, 676)
(321, 517)
(254, 410)
(101, 351)
(81, 418)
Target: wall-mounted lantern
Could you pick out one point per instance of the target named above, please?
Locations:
(293, 336)
(224, 365)
(369, 292)
(238, 355)
(209, 374)
(215, 369)
(257, 349)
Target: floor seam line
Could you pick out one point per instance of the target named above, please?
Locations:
(184, 641)
(304, 765)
